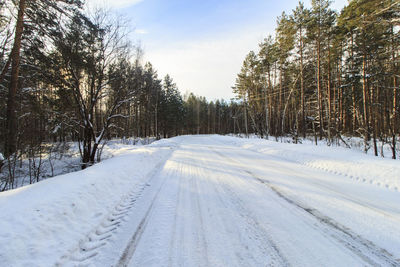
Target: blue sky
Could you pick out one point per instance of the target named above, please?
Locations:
(202, 44)
(179, 20)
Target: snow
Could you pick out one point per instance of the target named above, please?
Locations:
(56, 129)
(40, 222)
(353, 164)
(63, 158)
(210, 201)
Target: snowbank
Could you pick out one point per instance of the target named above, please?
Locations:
(64, 158)
(353, 164)
(40, 222)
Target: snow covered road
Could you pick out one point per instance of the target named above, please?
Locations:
(213, 203)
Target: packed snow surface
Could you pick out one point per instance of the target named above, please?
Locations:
(210, 201)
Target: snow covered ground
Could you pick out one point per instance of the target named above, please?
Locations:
(63, 158)
(210, 201)
(352, 163)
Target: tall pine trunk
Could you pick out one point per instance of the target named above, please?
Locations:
(319, 90)
(394, 119)
(303, 116)
(11, 137)
(365, 103)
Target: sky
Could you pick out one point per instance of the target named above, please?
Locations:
(201, 44)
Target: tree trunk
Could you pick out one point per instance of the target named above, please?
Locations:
(87, 147)
(353, 93)
(319, 90)
(329, 94)
(93, 152)
(365, 104)
(303, 116)
(394, 120)
(280, 102)
(245, 118)
(11, 137)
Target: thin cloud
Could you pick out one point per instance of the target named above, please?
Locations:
(206, 67)
(141, 31)
(112, 3)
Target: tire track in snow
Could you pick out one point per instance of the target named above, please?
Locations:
(201, 221)
(363, 248)
(356, 201)
(88, 247)
(174, 230)
(277, 257)
(187, 229)
(327, 187)
(254, 229)
(178, 236)
(130, 249)
(326, 169)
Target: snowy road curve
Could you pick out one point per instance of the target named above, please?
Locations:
(212, 203)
